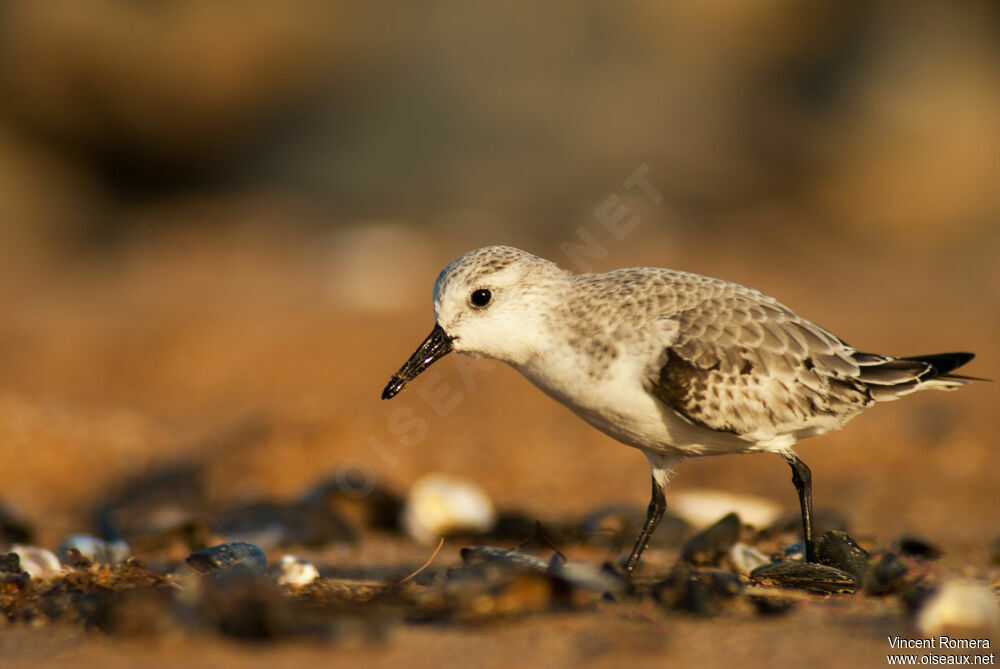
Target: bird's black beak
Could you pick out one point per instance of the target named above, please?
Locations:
(437, 345)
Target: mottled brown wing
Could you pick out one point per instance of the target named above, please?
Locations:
(743, 363)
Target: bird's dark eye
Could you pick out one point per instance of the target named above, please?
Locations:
(481, 297)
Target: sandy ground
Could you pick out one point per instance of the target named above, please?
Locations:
(238, 350)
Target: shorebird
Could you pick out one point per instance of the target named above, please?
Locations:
(675, 364)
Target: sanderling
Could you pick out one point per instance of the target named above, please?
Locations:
(675, 364)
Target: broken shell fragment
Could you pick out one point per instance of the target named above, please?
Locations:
(37, 562)
(296, 571)
(236, 556)
(959, 606)
(440, 505)
(92, 550)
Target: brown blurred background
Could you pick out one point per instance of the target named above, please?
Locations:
(219, 229)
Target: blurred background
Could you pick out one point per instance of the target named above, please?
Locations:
(219, 229)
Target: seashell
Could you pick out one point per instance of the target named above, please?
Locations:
(809, 576)
(959, 606)
(93, 550)
(744, 559)
(296, 571)
(713, 542)
(439, 505)
(37, 562)
(838, 549)
(235, 556)
(702, 507)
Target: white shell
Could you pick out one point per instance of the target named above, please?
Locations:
(296, 571)
(440, 504)
(959, 605)
(38, 562)
(703, 506)
(744, 559)
(94, 549)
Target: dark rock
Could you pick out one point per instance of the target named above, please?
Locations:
(915, 547)
(995, 551)
(886, 576)
(231, 557)
(709, 545)
(702, 592)
(357, 499)
(838, 549)
(13, 528)
(153, 502)
(269, 525)
(809, 576)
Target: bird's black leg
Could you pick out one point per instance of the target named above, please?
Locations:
(657, 505)
(802, 478)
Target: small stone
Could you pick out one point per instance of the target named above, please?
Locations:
(959, 607)
(92, 550)
(236, 556)
(37, 562)
(794, 552)
(886, 576)
(809, 576)
(440, 505)
(915, 547)
(838, 549)
(709, 545)
(296, 571)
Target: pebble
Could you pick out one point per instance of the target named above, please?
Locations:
(702, 507)
(712, 543)
(232, 557)
(838, 549)
(959, 606)
(92, 550)
(809, 576)
(37, 562)
(440, 505)
(296, 571)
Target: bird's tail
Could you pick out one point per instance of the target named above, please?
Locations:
(889, 378)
